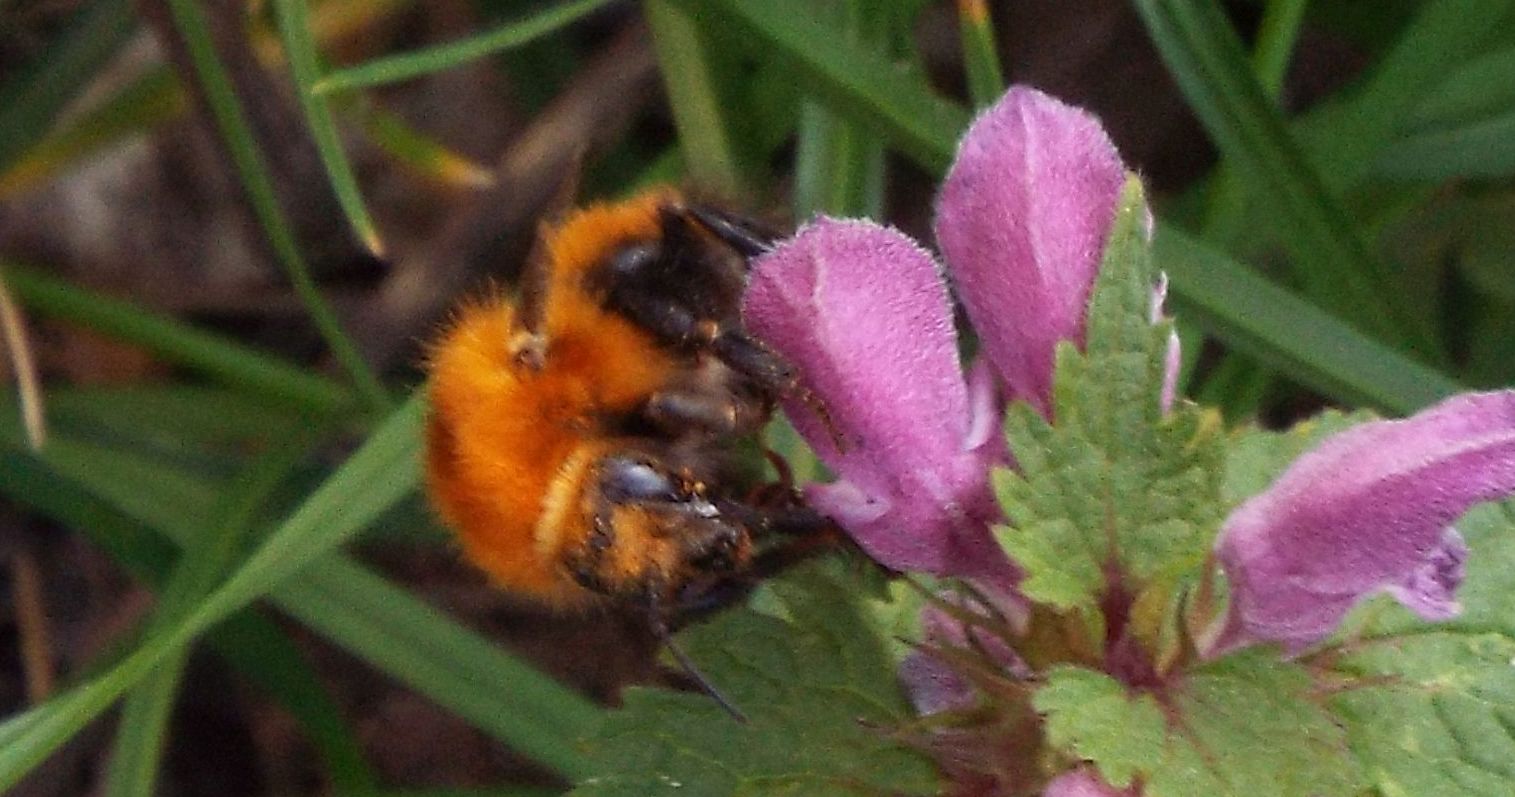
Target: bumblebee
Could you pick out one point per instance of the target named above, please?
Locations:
(579, 431)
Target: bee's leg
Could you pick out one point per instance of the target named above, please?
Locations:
(677, 410)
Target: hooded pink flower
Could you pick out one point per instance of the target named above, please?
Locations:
(1084, 782)
(1022, 221)
(1366, 511)
(862, 313)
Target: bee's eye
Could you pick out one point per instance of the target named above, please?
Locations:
(629, 479)
(633, 260)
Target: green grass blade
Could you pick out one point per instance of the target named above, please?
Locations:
(373, 619)
(305, 68)
(1259, 318)
(1331, 262)
(986, 78)
(209, 354)
(1276, 36)
(382, 471)
(701, 113)
(250, 643)
(142, 732)
(232, 122)
(858, 82)
(446, 56)
(33, 96)
(839, 168)
(152, 98)
(402, 636)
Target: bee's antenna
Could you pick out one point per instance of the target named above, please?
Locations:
(660, 630)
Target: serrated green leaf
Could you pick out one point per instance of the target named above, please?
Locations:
(1435, 714)
(1246, 725)
(819, 692)
(1114, 480)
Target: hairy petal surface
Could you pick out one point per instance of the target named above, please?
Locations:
(1022, 220)
(1368, 510)
(860, 310)
(1083, 782)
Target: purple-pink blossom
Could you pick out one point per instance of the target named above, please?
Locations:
(1022, 221)
(861, 311)
(1367, 511)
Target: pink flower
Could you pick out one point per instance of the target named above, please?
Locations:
(1084, 782)
(1366, 511)
(862, 313)
(861, 310)
(1022, 220)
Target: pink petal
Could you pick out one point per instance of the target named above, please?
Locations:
(861, 312)
(1022, 220)
(1084, 782)
(1366, 511)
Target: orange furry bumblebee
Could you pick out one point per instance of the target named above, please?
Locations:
(577, 434)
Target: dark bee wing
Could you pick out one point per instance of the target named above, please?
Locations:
(528, 339)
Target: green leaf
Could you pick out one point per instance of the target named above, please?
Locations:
(819, 692)
(1115, 480)
(1247, 725)
(1433, 713)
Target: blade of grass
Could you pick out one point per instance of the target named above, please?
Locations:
(384, 469)
(1331, 262)
(34, 95)
(190, 21)
(18, 349)
(1310, 345)
(1243, 386)
(373, 619)
(700, 112)
(249, 642)
(857, 82)
(143, 729)
(402, 636)
(446, 56)
(378, 474)
(305, 68)
(422, 154)
(152, 98)
(209, 354)
(986, 78)
(839, 166)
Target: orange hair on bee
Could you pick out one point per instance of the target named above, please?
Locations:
(508, 445)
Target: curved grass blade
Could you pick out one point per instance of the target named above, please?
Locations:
(305, 68)
(249, 642)
(986, 78)
(1331, 261)
(857, 82)
(230, 119)
(446, 56)
(142, 732)
(1260, 318)
(33, 96)
(209, 354)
